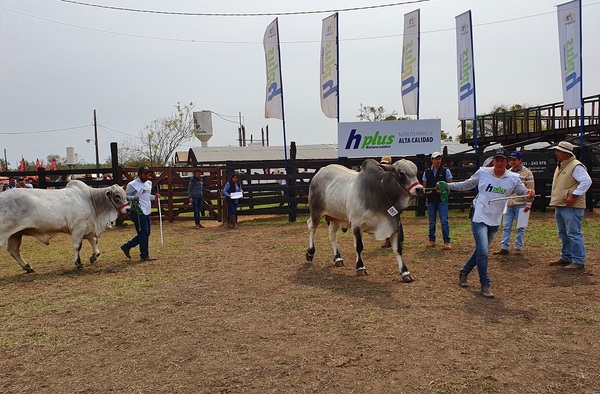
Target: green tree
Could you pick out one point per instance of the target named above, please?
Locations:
(160, 139)
(445, 136)
(375, 114)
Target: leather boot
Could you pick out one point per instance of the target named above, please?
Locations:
(462, 278)
(230, 222)
(235, 221)
(487, 292)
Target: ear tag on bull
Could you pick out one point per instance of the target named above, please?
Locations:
(392, 211)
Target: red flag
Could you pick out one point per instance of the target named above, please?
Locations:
(54, 166)
(37, 164)
(22, 165)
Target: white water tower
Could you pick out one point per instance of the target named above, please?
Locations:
(203, 126)
(70, 156)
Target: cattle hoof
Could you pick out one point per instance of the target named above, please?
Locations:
(28, 269)
(309, 257)
(407, 278)
(93, 259)
(361, 272)
(339, 262)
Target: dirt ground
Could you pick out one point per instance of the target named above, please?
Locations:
(241, 311)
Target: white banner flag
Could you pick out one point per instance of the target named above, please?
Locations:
(274, 99)
(466, 78)
(569, 40)
(329, 66)
(410, 63)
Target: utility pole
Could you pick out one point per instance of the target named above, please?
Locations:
(96, 140)
(150, 148)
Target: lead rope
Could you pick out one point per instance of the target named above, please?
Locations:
(385, 194)
(135, 206)
(444, 190)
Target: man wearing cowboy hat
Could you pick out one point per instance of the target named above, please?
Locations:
(571, 182)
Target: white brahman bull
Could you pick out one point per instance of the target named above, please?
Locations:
(367, 201)
(78, 209)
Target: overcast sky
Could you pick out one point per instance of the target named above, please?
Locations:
(60, 61)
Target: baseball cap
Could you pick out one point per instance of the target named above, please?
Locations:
(386, 160)
(501, 152)
(565, 146)
(436, 154)
(516, 155)
(143, 169)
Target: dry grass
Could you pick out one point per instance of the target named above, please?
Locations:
(240, 311)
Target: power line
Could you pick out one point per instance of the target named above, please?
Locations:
(42, 131)
(243, 14)
(257, 42)
(118, 131)
(228, 116)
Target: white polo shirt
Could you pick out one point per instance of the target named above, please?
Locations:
(142, 190)
(490, 187)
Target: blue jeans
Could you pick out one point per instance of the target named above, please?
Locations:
(441, 208)
(196, 205)
(512, 214)
(232, 207)
(484, 235)
(142, 227)
(568, 222)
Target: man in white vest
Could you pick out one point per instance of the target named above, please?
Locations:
(571, 182)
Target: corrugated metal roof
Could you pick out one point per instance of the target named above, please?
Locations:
(219, 154)
(259, 152)
(181, 158)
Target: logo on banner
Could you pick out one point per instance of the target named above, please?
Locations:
(412, 22)
(570, 54)
(272, 69)
(408, 80)
(368, 141)
(328, 64)
(569, 18)
(465, 87)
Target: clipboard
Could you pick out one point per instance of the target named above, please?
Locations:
(236, 195)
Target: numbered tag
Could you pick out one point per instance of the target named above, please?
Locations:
(392, 211)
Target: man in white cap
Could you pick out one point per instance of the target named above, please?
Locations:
(571, 182)
(435, 206)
